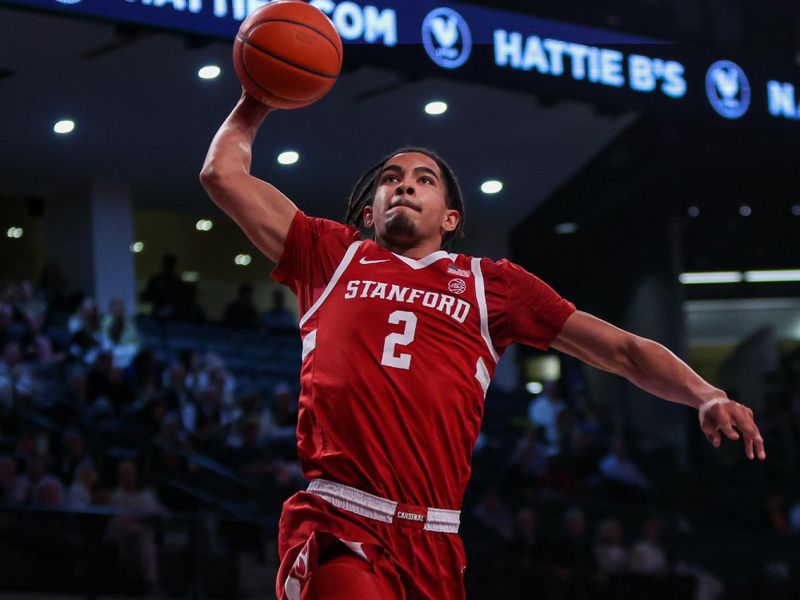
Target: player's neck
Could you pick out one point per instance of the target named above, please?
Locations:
(415, 251)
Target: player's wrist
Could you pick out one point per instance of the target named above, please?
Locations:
(709, 404)
(252, 112)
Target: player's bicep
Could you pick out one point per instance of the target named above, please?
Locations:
(595, 342)
(262, 211)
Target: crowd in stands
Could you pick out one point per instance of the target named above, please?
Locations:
(98, 413)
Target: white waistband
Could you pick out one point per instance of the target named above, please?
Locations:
(380, 509)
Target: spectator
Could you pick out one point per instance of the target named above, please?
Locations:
(573, 549)
(75, 399)
(251, 406)
(120, 333)
(49, 493)
(493, 514)
(192, 364)
(29, 308)
(52, 289)
(618, 468)
(12, 486)
(529, 459)
(86, 335)
(525, 544)
(610, 553)
(219, 378)
(7, 330)
(176, 394)
(544, 412)
(39, 486)
(284, 413)
(648, 556)
(107, 392)
(16, 379)
(133, 529)
(242, 312)
(278, 318)
(43, 355)
(143, 374)
(518, 567)
(248, 457)
(80, 493)
(73, 453)
(165, 291)
(212, 420)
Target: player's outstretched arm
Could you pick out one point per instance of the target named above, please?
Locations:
(261, 210)
(655, 369)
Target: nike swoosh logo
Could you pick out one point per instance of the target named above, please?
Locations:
(364, 261)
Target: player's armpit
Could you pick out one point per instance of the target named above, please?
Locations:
(260, 209)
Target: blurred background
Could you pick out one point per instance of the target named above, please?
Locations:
(639, 156)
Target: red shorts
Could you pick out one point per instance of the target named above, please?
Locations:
(414, 564)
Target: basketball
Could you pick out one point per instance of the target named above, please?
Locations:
(287, 54)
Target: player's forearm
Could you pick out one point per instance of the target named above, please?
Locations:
(231, 151)
(657, 370)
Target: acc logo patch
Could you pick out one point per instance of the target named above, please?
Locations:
(457, 286)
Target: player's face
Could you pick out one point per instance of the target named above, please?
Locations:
(409, 207)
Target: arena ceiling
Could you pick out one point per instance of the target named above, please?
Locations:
(145, 119)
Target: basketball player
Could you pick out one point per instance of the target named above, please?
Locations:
(400, 341)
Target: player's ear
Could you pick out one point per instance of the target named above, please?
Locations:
(451, 219)
(369, 219)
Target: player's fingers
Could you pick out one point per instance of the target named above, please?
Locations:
(714, 438)
(729, 431)
(754, 443)
(748, 446)
(758, 443)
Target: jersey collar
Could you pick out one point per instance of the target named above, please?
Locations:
(426, 260)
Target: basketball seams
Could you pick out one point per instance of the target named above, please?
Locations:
(301, 24)
(247, 42)
(283, 49)
(270, 92)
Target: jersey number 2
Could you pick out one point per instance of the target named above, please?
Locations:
(389, 358)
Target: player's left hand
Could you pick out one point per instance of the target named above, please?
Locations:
(725, 416)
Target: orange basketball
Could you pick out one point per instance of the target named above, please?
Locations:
(287, 54)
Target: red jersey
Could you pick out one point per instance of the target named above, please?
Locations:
(397, 357)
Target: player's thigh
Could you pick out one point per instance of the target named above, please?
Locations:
(345, 577)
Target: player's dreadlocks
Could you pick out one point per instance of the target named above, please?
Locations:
(363, 193)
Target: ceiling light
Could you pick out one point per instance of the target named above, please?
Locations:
(437, 107)
(745, 211)
(204, 225)
(491, 187)
(190, 276)
(209, 72)
(137, 247)
(774, 275)
(289, 157)
(566, 228)
(243, 260)
(14, 232)
(64, 126)
(711, 277)
(694, 211)
(796, 210)
(534, 387)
